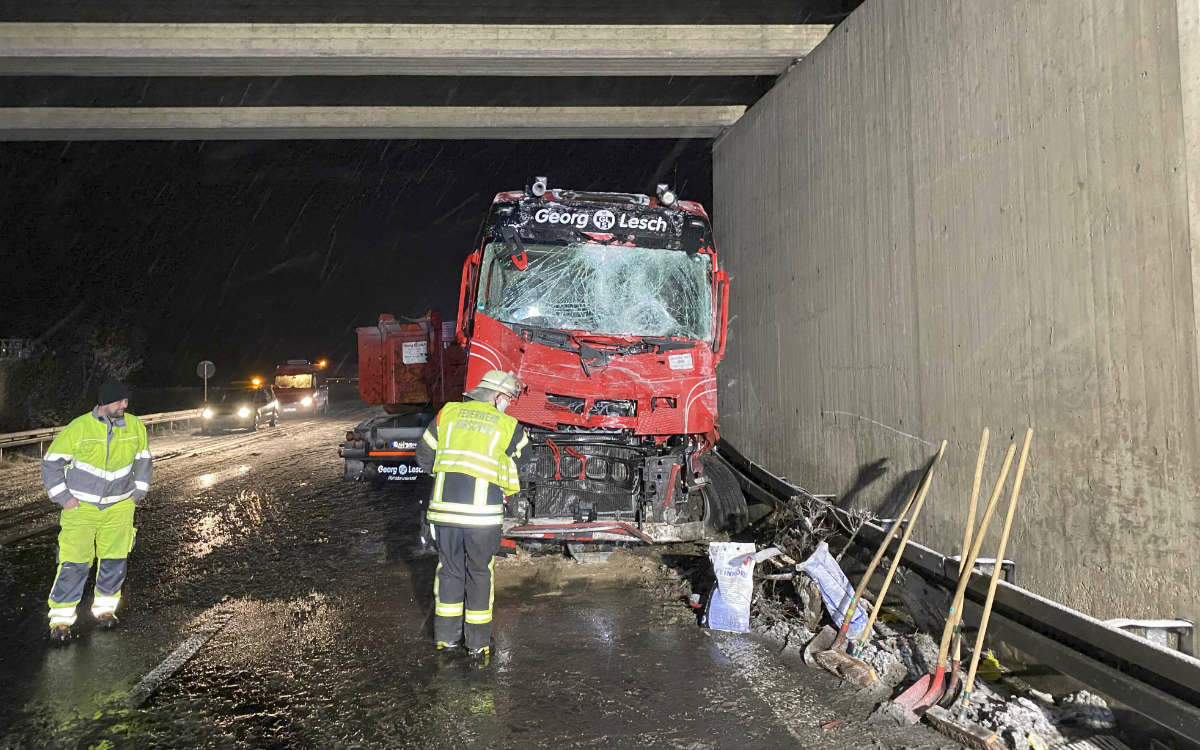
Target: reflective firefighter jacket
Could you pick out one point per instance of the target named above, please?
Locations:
(471, 448)
(97, 461)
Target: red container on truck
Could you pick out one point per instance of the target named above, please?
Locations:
(410, 369)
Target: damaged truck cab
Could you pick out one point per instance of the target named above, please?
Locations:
(612, 311)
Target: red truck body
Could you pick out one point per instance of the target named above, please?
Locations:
(612, 311)
(406, 364)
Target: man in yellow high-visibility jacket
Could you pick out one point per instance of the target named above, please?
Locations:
(471, 449)
(97, 470)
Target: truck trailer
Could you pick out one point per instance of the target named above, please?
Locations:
(411, 370)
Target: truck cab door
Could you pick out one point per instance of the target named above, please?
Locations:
(467, 291)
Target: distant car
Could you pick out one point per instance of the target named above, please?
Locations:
(241, 408)
(300, 388)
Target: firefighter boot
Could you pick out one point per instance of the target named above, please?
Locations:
(481, 657)
(107, 621)
(60, 634)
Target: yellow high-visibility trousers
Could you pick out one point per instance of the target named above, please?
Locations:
(90, 533)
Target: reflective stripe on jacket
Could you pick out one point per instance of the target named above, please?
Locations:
(98, 461)
(470, 449)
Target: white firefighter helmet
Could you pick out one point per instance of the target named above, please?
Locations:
(495, 381)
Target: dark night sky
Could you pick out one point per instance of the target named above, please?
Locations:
(248, 253)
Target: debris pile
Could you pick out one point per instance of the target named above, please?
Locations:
(1036, 719)
(787, 609)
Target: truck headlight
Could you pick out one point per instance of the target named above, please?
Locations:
(307, 400)
(243, 412)
(207, 414)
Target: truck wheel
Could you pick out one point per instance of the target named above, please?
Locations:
(353, 469)
(274, 420)
(725, 505)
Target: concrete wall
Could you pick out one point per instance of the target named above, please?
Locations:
(965, 214)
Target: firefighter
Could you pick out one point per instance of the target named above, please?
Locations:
(471, 449)
(98, 470)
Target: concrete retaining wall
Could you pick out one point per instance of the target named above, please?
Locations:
(956, 215)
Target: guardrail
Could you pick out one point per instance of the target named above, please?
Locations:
(1159, 683)
(46, 434)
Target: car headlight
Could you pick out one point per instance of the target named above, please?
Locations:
(243, 412)
(207, 414)
(307, 400)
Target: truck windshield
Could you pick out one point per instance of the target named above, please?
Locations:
(302, 380)
(606, 289)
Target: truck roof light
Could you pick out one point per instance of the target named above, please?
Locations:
(538, 188)
(666, 196)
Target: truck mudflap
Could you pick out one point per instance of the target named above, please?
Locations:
(605, 531)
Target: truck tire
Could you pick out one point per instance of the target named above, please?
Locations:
(353, 469)
(725, 505)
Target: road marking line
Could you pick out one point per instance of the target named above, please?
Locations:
(154, 680)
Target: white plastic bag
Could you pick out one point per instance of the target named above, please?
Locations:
(729, 607)
(836, 590)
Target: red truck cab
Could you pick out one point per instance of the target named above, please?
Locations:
(612, 309)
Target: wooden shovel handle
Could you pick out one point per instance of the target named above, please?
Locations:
(952, 619)
(899, 553)
(991, 595)
(862, 584)
(969, 564)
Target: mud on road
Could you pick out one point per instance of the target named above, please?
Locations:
(326, 600)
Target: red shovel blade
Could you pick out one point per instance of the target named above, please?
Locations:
(936, 690)
(955, 684)
(916, 699)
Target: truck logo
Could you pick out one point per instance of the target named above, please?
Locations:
(602, 219)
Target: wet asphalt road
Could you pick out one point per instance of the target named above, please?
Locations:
(328, 599)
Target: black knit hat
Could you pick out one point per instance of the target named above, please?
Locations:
(111, 391)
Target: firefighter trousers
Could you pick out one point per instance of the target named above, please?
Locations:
(90, 533)
(464, 587)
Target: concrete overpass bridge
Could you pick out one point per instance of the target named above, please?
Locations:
(938, 216)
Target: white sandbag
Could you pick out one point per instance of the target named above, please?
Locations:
(729, 606)
(836, 590)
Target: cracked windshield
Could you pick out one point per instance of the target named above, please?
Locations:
(606, 289)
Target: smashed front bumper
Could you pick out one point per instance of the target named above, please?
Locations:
(567, 530)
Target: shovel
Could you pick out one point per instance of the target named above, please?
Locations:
(857, 647)
(928, 689)
(827, 637)
(834, 659)
(965, 702)
(955, 723)
(962, 567)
